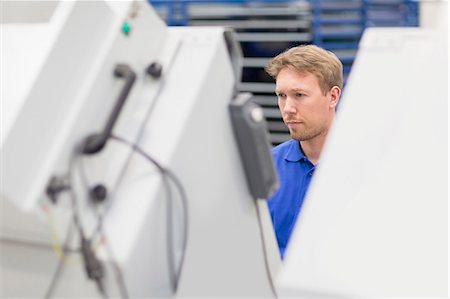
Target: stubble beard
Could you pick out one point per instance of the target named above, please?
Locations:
(307, 134)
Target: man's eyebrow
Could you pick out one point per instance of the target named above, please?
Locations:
(292, 90)
(299, 89)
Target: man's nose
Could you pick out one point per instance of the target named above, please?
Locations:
(289, 107)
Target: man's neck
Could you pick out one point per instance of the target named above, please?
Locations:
(313, 148)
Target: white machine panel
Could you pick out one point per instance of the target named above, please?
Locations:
(375, 221)
(71, 72)
(180, 117)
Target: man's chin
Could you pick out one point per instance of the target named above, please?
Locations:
(304, 136)
(300, 136)
(296, 136)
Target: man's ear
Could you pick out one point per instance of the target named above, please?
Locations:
(335, 95)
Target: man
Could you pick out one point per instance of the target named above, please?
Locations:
(308, 87)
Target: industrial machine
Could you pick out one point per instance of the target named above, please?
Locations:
(131, 167)
(375, 221)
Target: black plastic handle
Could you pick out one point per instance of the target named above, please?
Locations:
(95, 143)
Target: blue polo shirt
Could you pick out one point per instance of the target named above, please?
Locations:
(294, 172)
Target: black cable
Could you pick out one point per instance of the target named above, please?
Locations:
(73, 197)
(57, 274)
(183, 196)
(263, 241)
(99, 230)
(173, 274)
(75, 222)
(93, 265)
(76, 219)
(169, 237)
(166, 172)
(117, 270)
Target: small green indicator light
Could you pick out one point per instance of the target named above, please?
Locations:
(126, 28)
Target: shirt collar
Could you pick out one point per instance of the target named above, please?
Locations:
(295, 153)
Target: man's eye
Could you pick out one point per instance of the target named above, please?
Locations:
(299, 94)
(281, 95)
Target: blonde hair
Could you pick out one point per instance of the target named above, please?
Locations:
(309, 58)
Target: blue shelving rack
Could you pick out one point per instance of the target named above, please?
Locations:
(339, 24)
(264, 28)
(268, 27)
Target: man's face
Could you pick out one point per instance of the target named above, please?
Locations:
(305, 110)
